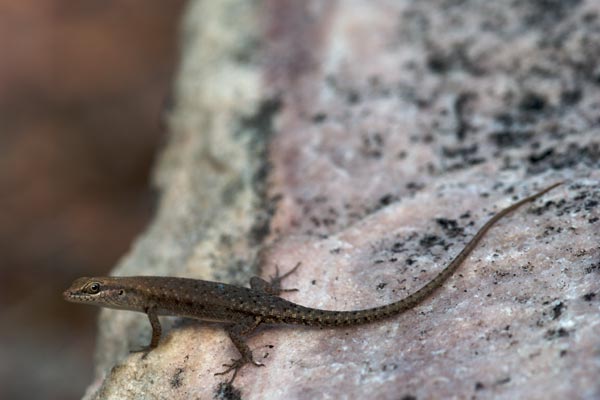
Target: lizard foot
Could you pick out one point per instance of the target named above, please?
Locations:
(235, 366)
(274, 285)
(277, 279)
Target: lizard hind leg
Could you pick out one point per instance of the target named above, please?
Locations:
(236, 333)
(273, 287)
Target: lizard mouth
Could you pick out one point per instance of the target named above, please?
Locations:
(75, 297)
(69, 296)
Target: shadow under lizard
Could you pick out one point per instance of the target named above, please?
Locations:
(244, 309)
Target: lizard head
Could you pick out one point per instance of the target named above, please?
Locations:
(105, 292)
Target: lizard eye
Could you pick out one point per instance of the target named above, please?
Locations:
(94, 288)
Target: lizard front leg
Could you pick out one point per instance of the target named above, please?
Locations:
(236, 334)
(156, 328)
(156, 331)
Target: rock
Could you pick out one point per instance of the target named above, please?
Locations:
(370, 140)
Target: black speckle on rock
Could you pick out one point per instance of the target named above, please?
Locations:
(590, 204)
(510, 138)
(260, 124)
(555, 333)
(460, 109)
(505, 119)
(587, 154)
(389, 367)
(557, 310)
(429, 241)
(532, 102)
(453, 152)
(589, 17)
(589, 296)
(446, 223)
(466, 155)
(397, 247)
(503, 381)
(571, 97)
(176, 379)
(372, 145)
(438, 63)
(548, 12)
(592, 268)
(387, 199)
(353, 97)
(535, 158)
(226, 391)
(450, 227)
(479, 386)
(319, 118)
(547, 206)
(414, 186)
(595, 76)
(246, 51)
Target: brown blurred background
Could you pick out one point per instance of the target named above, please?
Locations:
(83, 87)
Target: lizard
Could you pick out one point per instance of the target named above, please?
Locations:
(244, 309)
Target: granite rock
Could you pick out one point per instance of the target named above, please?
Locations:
(370, 140)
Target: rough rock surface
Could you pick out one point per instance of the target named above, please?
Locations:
(370, 140)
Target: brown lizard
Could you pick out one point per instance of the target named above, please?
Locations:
(245, 309)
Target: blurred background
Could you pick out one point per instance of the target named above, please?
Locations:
(83, 88)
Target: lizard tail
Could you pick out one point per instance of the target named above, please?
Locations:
(317, 317)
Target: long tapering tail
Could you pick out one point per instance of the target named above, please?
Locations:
(317, 317)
